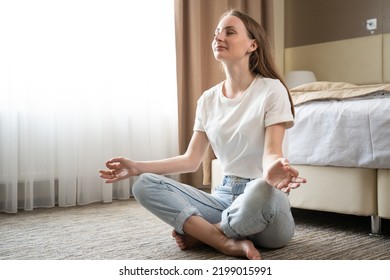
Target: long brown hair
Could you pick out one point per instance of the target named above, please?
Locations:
(261, 60)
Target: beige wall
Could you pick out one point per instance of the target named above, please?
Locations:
(340, 61)
(386, 58)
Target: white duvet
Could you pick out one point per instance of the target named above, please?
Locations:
(351, 132)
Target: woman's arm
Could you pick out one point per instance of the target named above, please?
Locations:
(273, 142)
(276, 168)
(120, 168)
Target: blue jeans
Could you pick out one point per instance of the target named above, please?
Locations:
(245, 208)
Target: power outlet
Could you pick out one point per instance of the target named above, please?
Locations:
(371, 24)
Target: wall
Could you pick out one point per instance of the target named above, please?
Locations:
(317, 21)
(386, 41)
(278, 17)
(332, 39)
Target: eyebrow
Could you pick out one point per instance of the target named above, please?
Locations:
(226, 27)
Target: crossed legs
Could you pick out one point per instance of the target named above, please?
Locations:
(196, 215)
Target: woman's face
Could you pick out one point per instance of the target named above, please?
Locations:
(231, 42)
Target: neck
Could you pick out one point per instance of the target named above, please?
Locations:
(237, 82)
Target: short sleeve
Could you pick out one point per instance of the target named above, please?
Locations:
(278, 107)
(199, 124)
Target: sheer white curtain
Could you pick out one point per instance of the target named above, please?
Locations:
(82, 81)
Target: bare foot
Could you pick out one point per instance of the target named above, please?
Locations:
(185, 241)
(240, 248)
(230, 247)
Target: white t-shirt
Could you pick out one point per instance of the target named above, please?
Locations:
(236, 127)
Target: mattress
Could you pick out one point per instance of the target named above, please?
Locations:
(341, 127)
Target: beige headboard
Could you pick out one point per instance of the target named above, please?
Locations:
(363, 60)
(386, 58)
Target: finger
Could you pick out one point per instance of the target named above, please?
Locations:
(297, 183)
(105, 176)
(282, 184)
(116, 160)
(294, 185)
(298, 180)
(293, 172)
(112, 180)
(285, 161)
(111, 165)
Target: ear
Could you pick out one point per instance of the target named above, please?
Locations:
(253, 46)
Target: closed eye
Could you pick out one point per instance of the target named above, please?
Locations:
(229, 30)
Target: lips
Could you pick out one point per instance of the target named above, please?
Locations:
(220, 48)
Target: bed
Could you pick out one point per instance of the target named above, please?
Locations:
(361, 184)
(341, 143)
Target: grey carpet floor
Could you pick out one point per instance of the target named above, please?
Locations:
(123, 230)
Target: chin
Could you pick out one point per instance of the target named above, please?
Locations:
(218, 56)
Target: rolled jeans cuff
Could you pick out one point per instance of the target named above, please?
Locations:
(225, 227)
(183, 216)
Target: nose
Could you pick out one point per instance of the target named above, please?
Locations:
(218, 37)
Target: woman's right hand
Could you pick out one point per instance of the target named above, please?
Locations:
(118, 169)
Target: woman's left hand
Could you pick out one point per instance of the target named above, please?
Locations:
(283, 176)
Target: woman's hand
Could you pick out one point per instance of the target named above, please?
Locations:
(118, 169)
(283, 176)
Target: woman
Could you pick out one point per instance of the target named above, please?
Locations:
(244, 120)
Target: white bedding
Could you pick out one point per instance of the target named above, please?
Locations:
(350, 132)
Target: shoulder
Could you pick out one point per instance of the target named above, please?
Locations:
(274, 89)
(270, 84)
(211, 93)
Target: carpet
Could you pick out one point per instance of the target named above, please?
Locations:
(123, 230)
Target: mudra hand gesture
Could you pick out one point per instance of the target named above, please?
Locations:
(118, 169)
(281, 175)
